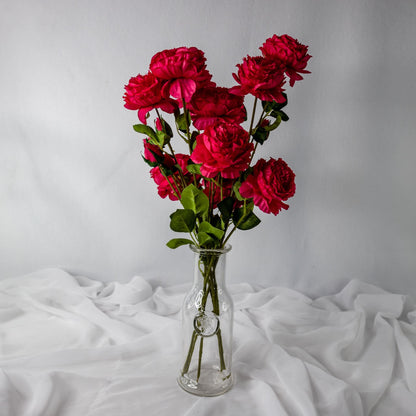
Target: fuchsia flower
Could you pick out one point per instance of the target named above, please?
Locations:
(144, 93)
(270, 184)
(223, 148)
(212, 104)
(183, 70)
(288, 52)
(260, 77)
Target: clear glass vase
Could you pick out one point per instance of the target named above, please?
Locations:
(207, 327)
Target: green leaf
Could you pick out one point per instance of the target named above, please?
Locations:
(168, 171)
(151, 164)
(166, 127)
(177, 167)
(192, 143)
(274, 125)
(267, 106)
(282, 115)
(183, 220)
(226, 208)
(159, 158)
(194, 199)
(261, 135)
(244, 218)
(248, 222)
(212, 231)
(194, 168)
(148, 131)
(162, 138)
(215, 221)
(236, 188)
(177, 242)
(204, 238)
(183, 121)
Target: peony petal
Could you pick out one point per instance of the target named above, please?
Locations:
(246, 190)
(208, 173)
(131, 106)
(182, 88)
(200, 153)
(230, 173)
(201, 123)
(168, 106)
(262, 204)
(237, 90)
(142, 113)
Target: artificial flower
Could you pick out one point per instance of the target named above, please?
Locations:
(144, 93)
(269, 184)
(182, 69)
(223, 149)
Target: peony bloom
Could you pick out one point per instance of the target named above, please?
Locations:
(223, 148)
(290, 53)
(183, 69)
(166, 186)
(144, 93)
(270, 184)
(212, 104)
(260, 77)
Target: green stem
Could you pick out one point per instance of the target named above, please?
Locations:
(254, 151)
(253, 113)
(209, 287)
(191, 350)
(221, 350)
(201, 344)
(235, 226)
(229, 235)
(221, 190)
(188, 134)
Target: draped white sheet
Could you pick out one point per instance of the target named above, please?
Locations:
(73, 346)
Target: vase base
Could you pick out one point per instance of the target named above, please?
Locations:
(211, 383)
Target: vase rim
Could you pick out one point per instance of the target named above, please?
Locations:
(223, 250)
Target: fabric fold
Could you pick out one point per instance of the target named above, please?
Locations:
(73, 346)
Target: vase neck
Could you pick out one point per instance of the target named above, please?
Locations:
(210, 266)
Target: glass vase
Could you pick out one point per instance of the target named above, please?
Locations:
(207, 326)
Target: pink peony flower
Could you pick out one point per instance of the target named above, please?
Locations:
(166, 187)
(212, 104)
(290, 53)
(270, 184)
(183, 69)
(223, 148)
(260, 77)
(144, 93)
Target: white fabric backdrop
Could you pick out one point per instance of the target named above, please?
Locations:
(75, 194)
(72, 346)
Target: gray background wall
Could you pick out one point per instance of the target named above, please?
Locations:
(75, 194)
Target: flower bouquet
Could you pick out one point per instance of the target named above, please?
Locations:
(216, 179)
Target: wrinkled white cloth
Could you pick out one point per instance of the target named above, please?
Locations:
(71, 346)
